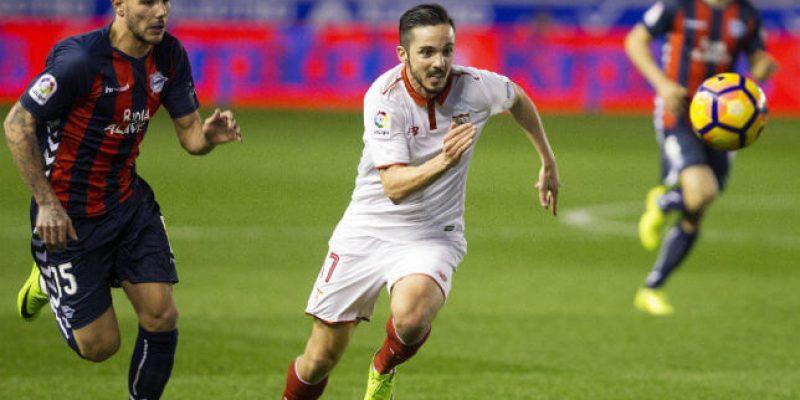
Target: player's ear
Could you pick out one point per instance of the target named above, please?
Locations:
(402, 54)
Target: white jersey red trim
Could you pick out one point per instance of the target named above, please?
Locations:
(402, 127)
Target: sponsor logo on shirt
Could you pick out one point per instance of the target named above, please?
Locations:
(157, 81)
(43, 89)
(132, 122)
(696, 24)
(413, 131)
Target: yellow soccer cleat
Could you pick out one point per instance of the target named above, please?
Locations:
(31, 299)
(379, 386)
(653, 302)
(651, 224)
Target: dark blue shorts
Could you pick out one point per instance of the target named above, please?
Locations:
(127, 244)
(681, 148)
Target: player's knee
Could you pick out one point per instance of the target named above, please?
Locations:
(316, 364)
(411, 326)
(100, 348)
(159, 320)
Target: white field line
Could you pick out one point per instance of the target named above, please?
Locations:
(604, 219)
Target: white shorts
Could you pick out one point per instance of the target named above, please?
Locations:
(351, 280)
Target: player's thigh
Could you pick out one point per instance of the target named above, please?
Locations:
(416, 298)
(347, 286)
(154, 305)
(699, 186)
(77, 282)
(421, 276)
(99, 339)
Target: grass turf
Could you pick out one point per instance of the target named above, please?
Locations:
(541, 307)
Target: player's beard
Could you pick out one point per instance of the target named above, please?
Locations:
(138, 35)
(430, 92)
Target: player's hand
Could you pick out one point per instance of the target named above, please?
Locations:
(221, 128)
(548, 185)
(675, 96)
(457, 141)
(53, 226)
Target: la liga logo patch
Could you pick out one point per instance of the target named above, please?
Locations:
(43, 89)
(382, 120)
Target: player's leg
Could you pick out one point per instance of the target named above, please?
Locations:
(77, 284)
(154, 352)
(420, 281)
(145, 267)
(415, 301)
(345, 292)
(308, 374)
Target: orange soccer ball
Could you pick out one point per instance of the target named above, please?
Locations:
(728, 111)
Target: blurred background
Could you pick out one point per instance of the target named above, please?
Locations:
(325, 53)
(541, 307)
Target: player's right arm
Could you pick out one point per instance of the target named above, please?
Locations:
(399, 181)
(637, 47)
(52, 222)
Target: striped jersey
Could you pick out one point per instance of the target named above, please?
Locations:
(702, 41)
(403, 128)
(92, 104)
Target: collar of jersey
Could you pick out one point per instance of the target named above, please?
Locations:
(423, 101)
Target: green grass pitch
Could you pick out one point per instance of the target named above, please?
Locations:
(541, 307)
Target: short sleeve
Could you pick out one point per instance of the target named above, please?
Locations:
(180, 96)
(65, 78)
(499, 90)
(659, 18)
(384, 134)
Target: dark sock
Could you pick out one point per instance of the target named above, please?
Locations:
(674, 250)
(151, 364)
(672, 200)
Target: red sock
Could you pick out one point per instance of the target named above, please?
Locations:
(297, 389)
(394, 352)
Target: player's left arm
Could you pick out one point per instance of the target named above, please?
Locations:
(198, 136)
(526, 115)
(762, 65)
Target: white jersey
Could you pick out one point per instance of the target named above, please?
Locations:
(401, 127)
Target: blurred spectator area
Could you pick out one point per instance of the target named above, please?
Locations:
(324, 53)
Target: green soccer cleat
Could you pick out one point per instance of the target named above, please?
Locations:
(651, 224)
(379, 386)
(31, 299)
(653, 302)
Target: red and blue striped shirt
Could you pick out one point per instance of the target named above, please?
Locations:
(93, 104)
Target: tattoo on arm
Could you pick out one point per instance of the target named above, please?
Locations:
(20, 134)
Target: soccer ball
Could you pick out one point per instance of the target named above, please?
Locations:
(728, 111)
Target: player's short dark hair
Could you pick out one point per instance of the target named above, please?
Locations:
(422, 15)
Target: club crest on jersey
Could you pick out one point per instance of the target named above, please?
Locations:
(157, 81)
(462, 118)
(43, 89)
(737, 28)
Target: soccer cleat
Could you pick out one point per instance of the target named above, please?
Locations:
(653, 302)
(651, 224)
(379, 386)
(31, 298)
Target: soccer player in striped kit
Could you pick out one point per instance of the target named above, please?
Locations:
(74, 136)
(404, 227)
(702, 38)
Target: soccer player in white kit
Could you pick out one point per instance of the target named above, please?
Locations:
(404, 227)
